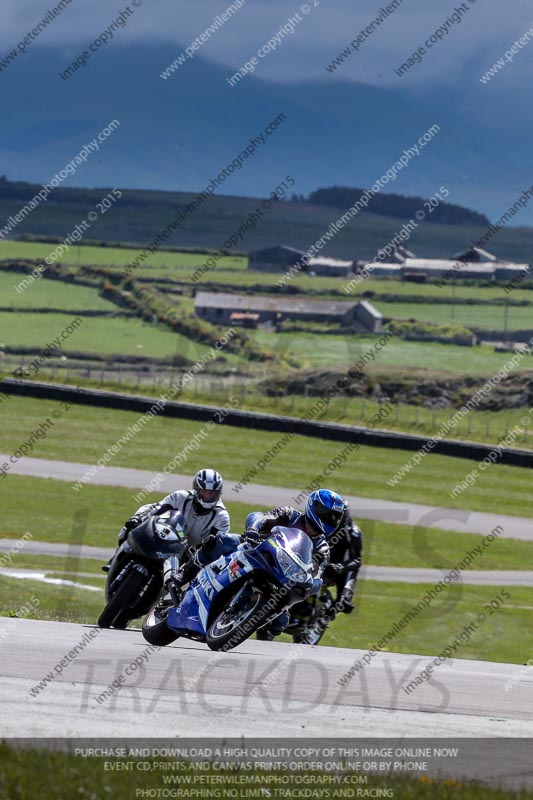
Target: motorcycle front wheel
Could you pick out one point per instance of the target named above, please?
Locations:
(155, 629)
(309, 636)
(246, 612)
(118, 612)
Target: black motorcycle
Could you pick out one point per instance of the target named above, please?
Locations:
(310, 618)
(135, 578)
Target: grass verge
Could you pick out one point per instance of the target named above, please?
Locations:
(214, 389)
(236, 452)
(58, 603)
(504, 636)
(385, 543)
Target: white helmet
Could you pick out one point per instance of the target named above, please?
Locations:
(207, 485)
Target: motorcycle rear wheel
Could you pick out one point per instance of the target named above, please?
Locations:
(155, 629)
(118, 613)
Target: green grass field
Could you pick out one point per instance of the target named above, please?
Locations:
(431, 290)
(99, 335)
(84, 433)
(321, 352)
(50, 294)
(505, 635)
(69, 566)
(486, 317)
(233, 272)
(159, 262)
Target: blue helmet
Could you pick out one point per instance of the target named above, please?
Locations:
(324, 510)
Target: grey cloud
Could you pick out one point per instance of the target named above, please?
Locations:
(486, 32)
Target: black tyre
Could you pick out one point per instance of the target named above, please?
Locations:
(155, 629)
(310, 636)
(245, 613)
(120, 608)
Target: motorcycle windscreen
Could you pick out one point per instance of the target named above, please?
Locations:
(155, 540)
(300, 544)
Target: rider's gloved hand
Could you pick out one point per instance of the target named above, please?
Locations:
(132, 522)
(252, 535)
(209, 541)
(333, 571)
(345, 604)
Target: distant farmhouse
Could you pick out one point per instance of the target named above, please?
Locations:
(280, 258)
(401, 264)
(472, 263)
(248, 309)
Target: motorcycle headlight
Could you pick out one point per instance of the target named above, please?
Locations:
(290, 568)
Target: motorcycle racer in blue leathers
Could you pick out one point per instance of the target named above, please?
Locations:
(321, 518)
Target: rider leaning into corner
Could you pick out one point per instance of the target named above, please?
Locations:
(206, 520)
(337, 546)
(321, 518)
(335, 538)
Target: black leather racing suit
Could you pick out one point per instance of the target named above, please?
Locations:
(346, 547)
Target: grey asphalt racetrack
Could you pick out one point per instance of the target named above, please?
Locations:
(261, 689)
(258, 689)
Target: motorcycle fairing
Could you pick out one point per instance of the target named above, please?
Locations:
(191, 617)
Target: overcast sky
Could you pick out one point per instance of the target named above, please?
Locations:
(489, 28)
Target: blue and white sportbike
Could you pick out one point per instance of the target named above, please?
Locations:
(235, 595)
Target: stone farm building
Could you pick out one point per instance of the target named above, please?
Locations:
(225, 308)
